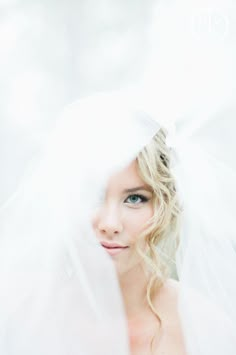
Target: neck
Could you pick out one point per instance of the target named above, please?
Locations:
(134, 287)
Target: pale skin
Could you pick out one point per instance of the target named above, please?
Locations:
(122, 217)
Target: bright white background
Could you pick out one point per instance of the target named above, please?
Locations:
(54, 51)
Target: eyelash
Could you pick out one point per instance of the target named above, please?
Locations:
(141, 197)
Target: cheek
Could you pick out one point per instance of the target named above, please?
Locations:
(94, 221)
(136, 220)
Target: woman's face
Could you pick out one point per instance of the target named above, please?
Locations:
(123, 216)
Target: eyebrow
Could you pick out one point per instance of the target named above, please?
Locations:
(134, 189)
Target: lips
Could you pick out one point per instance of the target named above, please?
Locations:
(113, 248)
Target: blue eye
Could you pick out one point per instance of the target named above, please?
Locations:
(136, 199)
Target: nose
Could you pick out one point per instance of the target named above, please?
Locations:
(109, 221)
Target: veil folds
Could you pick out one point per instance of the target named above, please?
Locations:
(59, 289)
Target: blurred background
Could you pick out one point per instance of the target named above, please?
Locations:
(53, 52)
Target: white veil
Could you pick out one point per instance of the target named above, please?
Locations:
(54, 298)
(206, 256)
(59, 290)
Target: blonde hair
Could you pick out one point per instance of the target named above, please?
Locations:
(161, 234)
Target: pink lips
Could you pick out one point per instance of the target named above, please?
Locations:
(113, 248)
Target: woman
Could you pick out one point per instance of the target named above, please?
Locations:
(108, 161)
(137, 225)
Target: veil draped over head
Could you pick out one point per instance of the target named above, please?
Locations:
(59, 292)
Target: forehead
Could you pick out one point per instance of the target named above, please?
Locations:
(126, 178)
